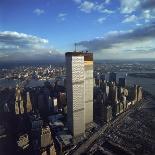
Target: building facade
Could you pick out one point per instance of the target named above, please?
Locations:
(79, 72)
(75, 92)
(88, 69)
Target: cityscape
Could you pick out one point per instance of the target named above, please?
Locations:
(77, 77)
(58, 109)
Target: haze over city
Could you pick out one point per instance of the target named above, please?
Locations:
(45, 29)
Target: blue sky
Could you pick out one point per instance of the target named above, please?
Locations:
(40, 29)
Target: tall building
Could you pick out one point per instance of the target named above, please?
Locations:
(88, 69)
(112, 77)
(113, 93)
(19, 107)
(122, 82)
(29, 104)
(75, 73)
(46, 139)
(103, 77)
(139, 93)
(79, 71)
(134, 93)
(23, 142)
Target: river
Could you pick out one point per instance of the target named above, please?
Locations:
(146, 83)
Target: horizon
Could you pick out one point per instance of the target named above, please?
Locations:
(62, 61)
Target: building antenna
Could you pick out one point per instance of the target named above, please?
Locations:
(75, 47)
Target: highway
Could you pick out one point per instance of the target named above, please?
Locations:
(82, 148)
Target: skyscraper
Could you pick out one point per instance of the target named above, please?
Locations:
(29, 104)
(88, 69)
(112, 77)
(19, 108)
(79, 72)
(75, 92)
(122, 82)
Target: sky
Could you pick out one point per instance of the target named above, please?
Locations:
(46, 29)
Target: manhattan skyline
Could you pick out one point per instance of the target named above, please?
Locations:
(46, 29)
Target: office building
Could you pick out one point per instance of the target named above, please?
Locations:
(88, 69)
(23, 142)
(46, 139)
(122, 82)
(139, 93)
(113, 94)
(97, 82)
(29, 104)
(79, 71)
(117, 111)
(62, 100)
(102, 77)
(55, 104)
(108, 113)
(112, 77)
(121, 107)
(19, 107)
(75, 87)
(134, 93)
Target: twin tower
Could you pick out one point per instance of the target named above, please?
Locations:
(79, 72)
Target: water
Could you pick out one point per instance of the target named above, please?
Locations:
(5, 83)
(146, 83)
(8, 83)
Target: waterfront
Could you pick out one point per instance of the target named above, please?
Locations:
(5, 83)
(148, 84)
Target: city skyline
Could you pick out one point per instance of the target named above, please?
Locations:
(39, 29)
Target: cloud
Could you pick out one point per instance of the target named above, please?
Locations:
(15, 40)
(62, 16)
(129, 6)
(144, 9)
(38, 11)
(148, 15)
(101, 20)
(107, 11)
(87, 6)
(148, 4)
(90, 6)
(119, 43)
(138, 24)
(129, 19)
(107, 1)
(21, 46)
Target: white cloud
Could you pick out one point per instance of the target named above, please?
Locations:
(107, 11)
(138, 24)
(20, 40)
(62, 16)
(136, 43)
(144, 9)
(129, 19)
(20, 46)
(16, 41)
(101, 20)
(144, 49)
(107, 1)
(129, 6)
(39, 11)
(148, 15)
(87, 6)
